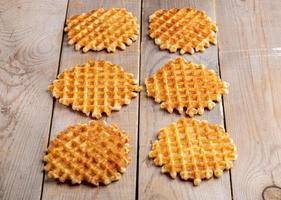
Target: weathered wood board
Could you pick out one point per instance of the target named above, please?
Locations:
(126, 118)
(153, 184)
(249, 41)
(29, 57)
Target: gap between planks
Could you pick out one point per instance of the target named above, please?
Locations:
(139, 104)
(224, 122)
(54, 100)
(223, 109)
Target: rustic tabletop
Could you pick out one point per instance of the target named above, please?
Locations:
(33, 50)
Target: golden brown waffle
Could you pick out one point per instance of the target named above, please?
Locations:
(94, 153)
(184, 85)
(95, 87)
(194, 149)
(185, 29)
(102, 29)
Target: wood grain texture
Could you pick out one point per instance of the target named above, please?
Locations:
(249, 57)
(153, 184)
(29, 56)
(126, 118)
(249, 41)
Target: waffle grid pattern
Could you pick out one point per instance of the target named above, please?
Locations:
(94, 88)
(184, 85)
(94, 153)
(185, 29)
(194, 149)
(102, 29)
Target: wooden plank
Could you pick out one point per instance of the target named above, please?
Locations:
(126, 118)
(250, 59)
(153, 184)
(30, 42)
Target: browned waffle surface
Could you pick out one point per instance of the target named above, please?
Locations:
(94, 153)
(95, 87)
(184, 85)
(102, 29)
(184, 29)
(195, 149)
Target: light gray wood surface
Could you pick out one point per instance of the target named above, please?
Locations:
(33, 50)
(30, 41)
(249, 41)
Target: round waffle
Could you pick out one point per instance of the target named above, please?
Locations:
(184, 85)
(195, 149)
(185, 29)
(94, 153)
(95, 87)
(102, 29)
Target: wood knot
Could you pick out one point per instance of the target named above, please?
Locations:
(5, 110)
(271, 192)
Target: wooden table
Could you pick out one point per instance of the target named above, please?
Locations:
(33, 49)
